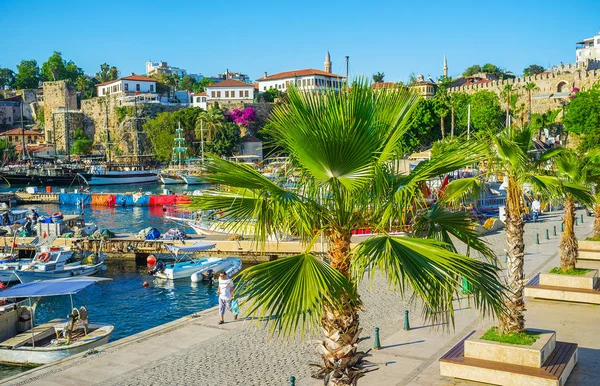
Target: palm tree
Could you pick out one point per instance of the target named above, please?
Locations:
(575, 170)
(107, 73)
(512, 155)
(442, 102)
(506, 93)
(378, 78)
(211, 121)
(530, 88)
(342, 147)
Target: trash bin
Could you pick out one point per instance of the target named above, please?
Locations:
(48, 189)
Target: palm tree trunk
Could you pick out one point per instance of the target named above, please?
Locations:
(529, 117)
(513, 320)
(442, 127)
(339, 348)
(597, 222)
(452, 124)
(568, 244)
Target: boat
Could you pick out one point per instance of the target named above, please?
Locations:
(119, 175)
(170, 179)
(9, 264)
(22, 342)
(230, 266)
(52, 263)
(184, 265)
(52, 175)
(194, 179)
(178, 173)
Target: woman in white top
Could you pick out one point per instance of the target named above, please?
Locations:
(225, 293)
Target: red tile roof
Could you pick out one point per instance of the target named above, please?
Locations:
(386, 85)
(203, 93)
(19, 131)
(230, 83)
(306, 72)
(130, 77)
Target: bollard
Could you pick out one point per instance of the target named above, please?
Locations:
(537, 238)
(555, 230)
(377, 345)
(406, 322)
(506, 257)
(562, 227)
(582, 218)
(547, 234)
(576, 222)
(292, 381)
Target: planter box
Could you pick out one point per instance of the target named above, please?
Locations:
(529, 356)
(587, 281)
(589, 245)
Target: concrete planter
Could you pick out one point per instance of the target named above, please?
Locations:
(589, 250)
(529, 356)
(587, 281)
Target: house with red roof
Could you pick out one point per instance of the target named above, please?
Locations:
(229, 93)
(18, 136)
(307, 79)
(132, 84)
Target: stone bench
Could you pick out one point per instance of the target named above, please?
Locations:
(534, 289)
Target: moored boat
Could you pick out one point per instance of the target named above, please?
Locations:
(52, 263)
(171, 179)
(230, 266)
(122, 175)
(184, 265)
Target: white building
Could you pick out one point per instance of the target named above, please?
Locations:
(229, 92)
(588, 49)
(308, 79)
(199, 100)
(128, 84)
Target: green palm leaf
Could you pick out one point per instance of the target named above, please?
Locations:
(290, 294)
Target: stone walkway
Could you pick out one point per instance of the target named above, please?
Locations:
(196, 351)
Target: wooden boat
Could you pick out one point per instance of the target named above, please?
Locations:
(22, 342)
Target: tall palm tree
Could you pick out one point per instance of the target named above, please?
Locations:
(530, 88)
(512, 155)
(575, 170)
(506, 94)
(441, 107)
(342, 146)
(211, 121)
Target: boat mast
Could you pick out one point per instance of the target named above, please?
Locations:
(107, 155)
(68, 139)
(178, 149)
(22, 129)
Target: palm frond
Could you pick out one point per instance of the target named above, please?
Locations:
(432, 272)
(462, 188)
(290, 293)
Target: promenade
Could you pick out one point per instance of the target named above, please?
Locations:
(196, 351)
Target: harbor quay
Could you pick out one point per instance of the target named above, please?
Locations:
(195, 350)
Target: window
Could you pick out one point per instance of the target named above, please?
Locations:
(198, 100)
(265, 88)
(218, 94)
(137, 87)
(126, 86)
(151, 88)
(226, 94)
(203, 99)
(212, 94)
(246, 92)
(304, 82)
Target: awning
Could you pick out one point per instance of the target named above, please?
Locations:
(197, 247)
(50, 287)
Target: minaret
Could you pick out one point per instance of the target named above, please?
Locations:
(328, 63)
(445, 67)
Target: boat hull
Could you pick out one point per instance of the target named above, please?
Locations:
(44, 355)
(191, 179)
(38, 180)
(167, 179)
(84, 270)
(122, 179)
(183, 270)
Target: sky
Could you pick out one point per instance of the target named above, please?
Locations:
(394, 37)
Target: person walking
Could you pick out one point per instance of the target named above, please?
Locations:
(225, 293)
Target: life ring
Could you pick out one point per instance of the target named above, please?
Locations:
(44, 257)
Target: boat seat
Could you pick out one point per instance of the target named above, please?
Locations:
(37, 332)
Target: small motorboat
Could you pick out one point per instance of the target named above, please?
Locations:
(230, 266)
(170, 179)
(184, 265)
(52, 263)
(22, 342)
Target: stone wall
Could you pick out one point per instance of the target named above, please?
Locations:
(559, 79)
(75, 121)
(57, 95)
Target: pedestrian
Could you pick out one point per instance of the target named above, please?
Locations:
(536, 209)
(225, 293)
(34, 216)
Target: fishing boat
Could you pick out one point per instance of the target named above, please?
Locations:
(22, 342)
(193, 179)
(119, 175)
(52, 263)
(184, 265)
(170, 179)
(230, 266)
(9, 264)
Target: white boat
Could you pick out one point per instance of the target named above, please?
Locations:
(22, 342)
(230, 266)
(193, 179)
(101, 175)
(171, 179)
(184, 265)
(51, 263)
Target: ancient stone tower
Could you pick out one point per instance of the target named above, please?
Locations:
(445, 67)
(328, 63)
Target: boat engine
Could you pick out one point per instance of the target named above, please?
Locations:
(159, 267)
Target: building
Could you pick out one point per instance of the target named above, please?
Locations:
(250, 145)
(163, 68)
(128, 84)
(15, 136)
(199, 100)
(9, 112)
(229, 93)
(588, 49)
(424, 87)
(307, 79)
(36, 150)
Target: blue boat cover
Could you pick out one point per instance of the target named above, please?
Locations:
(197, 247)
(49, 287)
(74, 198)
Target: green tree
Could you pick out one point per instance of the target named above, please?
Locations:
(7, 78)
(107, 73)
(201, 84)
(210, 121)
(459, 102)
(341, 145)
(580, 170)
(530, 87)
(442, 107)
(470, 71)
(7, 151)
(85, 86)
(225, 141)
(486, 113)
(82, 145)
(582, 117)
(160, 131)
(28, 75)
(188, 83)
(423, 129)
(377, 78)
(533, 69)
(56, 68)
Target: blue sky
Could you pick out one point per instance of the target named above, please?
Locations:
(395, 37)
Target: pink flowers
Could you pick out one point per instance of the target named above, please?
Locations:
(242, 117)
